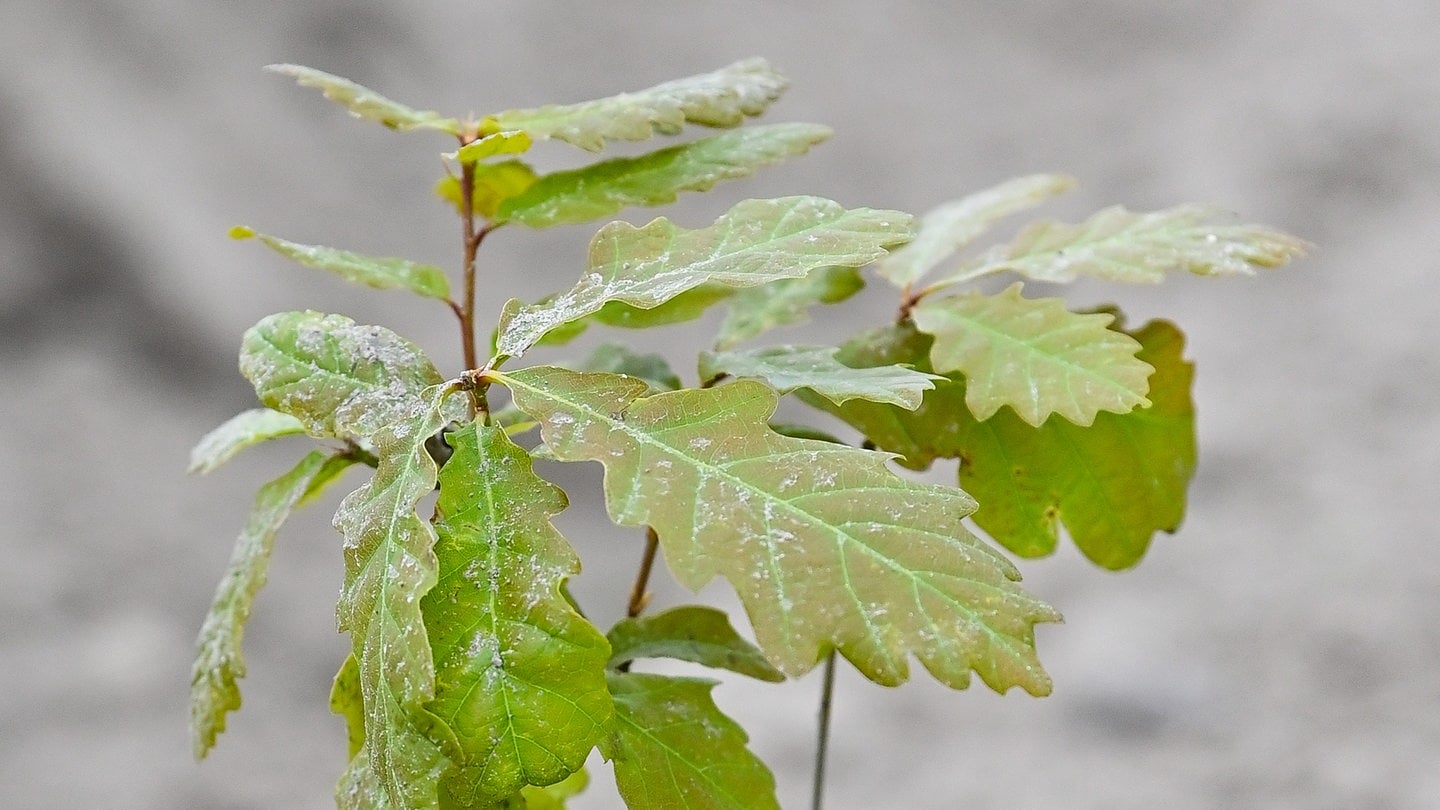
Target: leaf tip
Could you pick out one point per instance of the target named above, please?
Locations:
(241, 232)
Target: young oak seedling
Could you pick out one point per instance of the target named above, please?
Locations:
(474, 680)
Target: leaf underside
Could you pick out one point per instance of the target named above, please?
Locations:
(823, 543)
(366, 103)
(520, 675)
(787, 368)
(244, 429)
(700, 635)
(757, 310)
(1034, 355)
(723, 98)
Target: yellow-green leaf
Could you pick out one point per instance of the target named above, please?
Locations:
(496, 143)
(346, 701)
(362, 102)
(382, 273)
(240, 431)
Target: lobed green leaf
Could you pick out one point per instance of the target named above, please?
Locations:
(617, 358)
(339, 378)
(757, 310)
(723, 98)
(672, 747)
(824, 544)
(787, 368)
(756, 242)
(366, 103)
(244, 429)
(1033, 355)
(520, 675)
(601, 189)
(700, 635)
(218, 660)
(1121, 245)
(949, 228)
(380, 273)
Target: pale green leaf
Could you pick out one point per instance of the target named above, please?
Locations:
(390, 564)
(825, 545)
(366, 103)
(951, 227)
(329, 372)
(786, 368)
(1034, 355)
(757, 310)
(1122, 245)
(496, 143)
(723, 98)
(673, 748)
(519, 673)
(346, 701)
(701, 635)
(687, 306)
(601, 189)
(493, 184)
(218, 659)
(244, 429)
(617, 358)
(754, 243)
(372, 271)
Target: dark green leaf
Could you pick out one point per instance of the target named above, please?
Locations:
(244, 429)
(617, 358)
(701, 635)
(380, 273)
(366, 103)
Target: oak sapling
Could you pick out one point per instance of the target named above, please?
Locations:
(474, 679)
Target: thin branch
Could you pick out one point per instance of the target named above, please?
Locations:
(639, 594)
(822, 743)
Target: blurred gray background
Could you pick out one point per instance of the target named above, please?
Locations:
(1279, 652)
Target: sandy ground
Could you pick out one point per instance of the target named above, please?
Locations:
(1278, 652)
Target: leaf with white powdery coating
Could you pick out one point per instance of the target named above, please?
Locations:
(341, 379)
(382, 273)
(786, 368)
(824, 544)
(601, 189)
(700, 635)
(754, 243)
(390, 564)
(1121, 245)
(757, 310)
(672, 747)
(950, 227)
(366, 103)
(244, 429)
(520, 675)
(1034, 355)
(723, 98)
(218, 659)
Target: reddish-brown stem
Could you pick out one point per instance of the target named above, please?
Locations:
(471, 240)
(639, 594)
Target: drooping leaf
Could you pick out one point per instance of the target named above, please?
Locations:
(520, 674)
(672, 747)
(218, 659)
(757, 310)
(754, 243)
(601, 189)
(322, 368)
(346, 701)
(494, 183)
(390, 565)
(617, 358)
(1034, 355)
(701, 635)
(496, 143)
(372, 271)
(244, 429)
(823, 543)
(951, 227)
(1122, 245)
(786, 368)
(366, 103)
(720, 99)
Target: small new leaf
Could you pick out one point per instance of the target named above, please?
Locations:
(824, 544)
(1121, 245)
(366, 103)
(244, 429)
(339, 378)
(786, 368)
(601, 189)
(701, 635)
(1034, 355)
(494, 183)
(496, 143)
(757, 310)
(672, 747)
(520, 675)
(218, 661)
(372, 271)
(949, 228)
(754, 243)
(723, 98)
